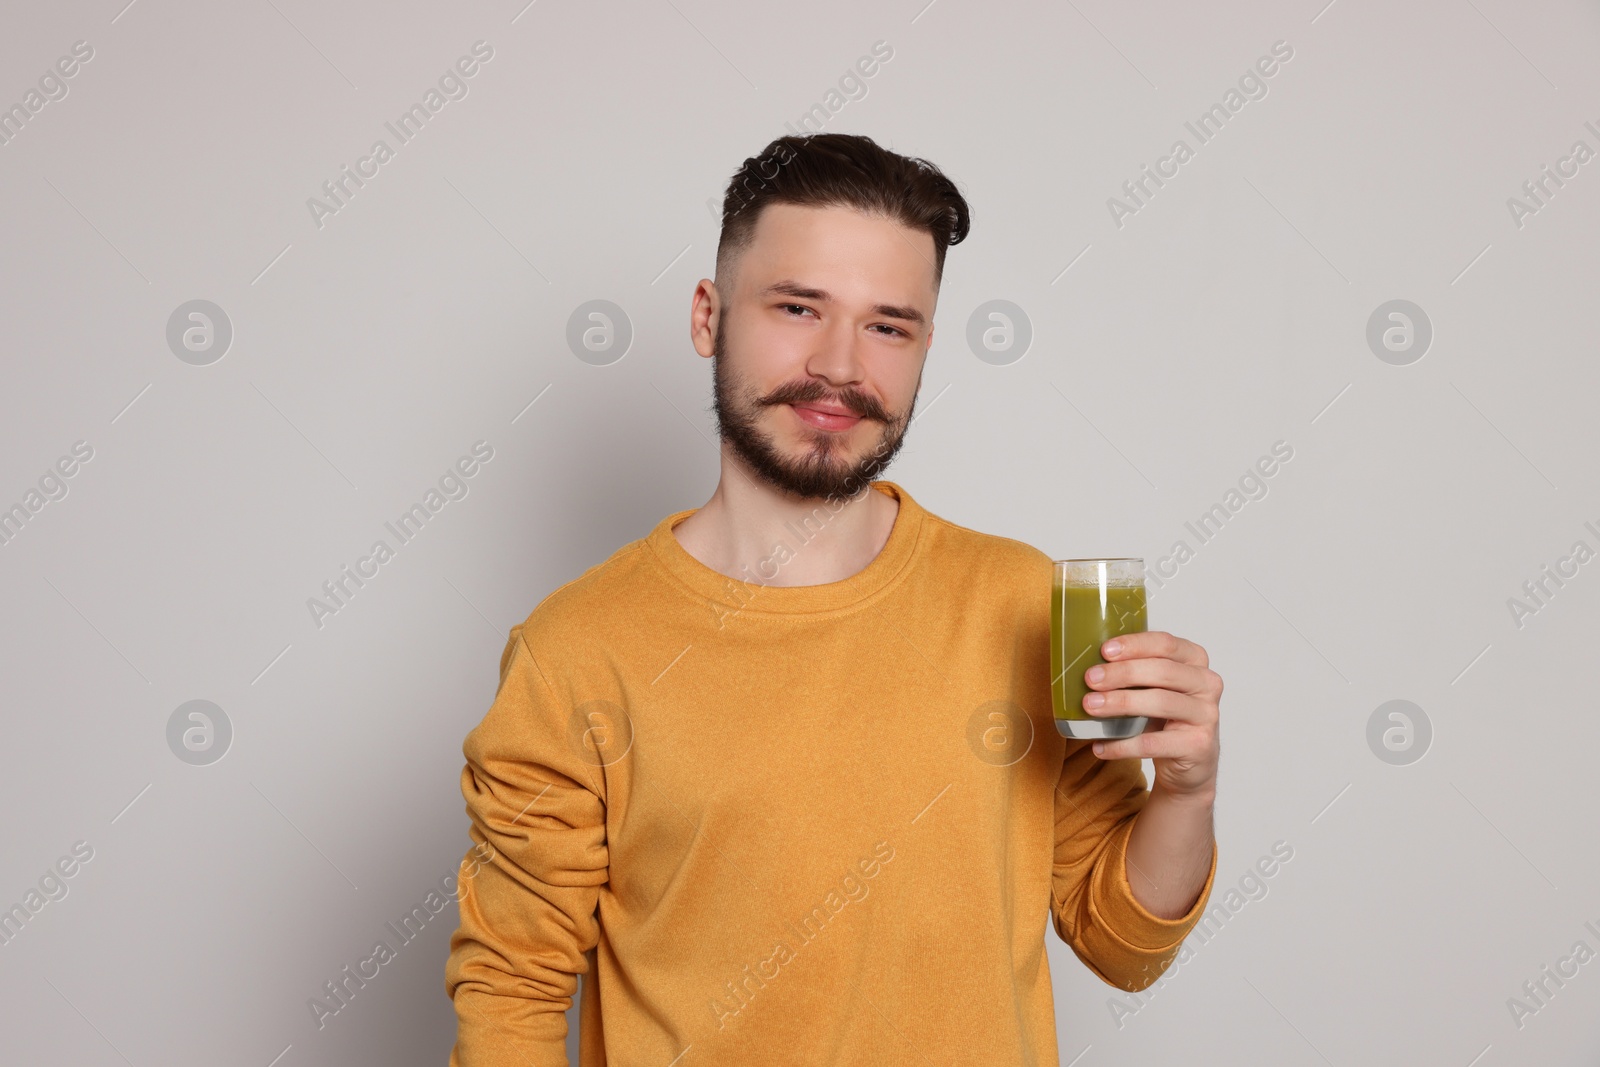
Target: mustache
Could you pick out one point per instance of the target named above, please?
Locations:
(813, 393)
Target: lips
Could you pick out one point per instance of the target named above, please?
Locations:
(825, 420)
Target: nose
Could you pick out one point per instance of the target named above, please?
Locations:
(837, 358)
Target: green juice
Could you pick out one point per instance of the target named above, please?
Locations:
(1078, 612)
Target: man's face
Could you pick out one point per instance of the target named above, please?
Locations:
(830, 309)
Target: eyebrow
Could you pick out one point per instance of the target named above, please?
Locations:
(891, 311)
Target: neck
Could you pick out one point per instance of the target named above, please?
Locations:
(752, 527)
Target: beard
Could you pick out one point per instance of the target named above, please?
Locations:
(824, 466)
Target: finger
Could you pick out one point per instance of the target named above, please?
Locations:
(1159, 744)
(1161, 673)
(1154, 643)
(1154, 703)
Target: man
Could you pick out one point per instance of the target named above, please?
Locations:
(782, 777)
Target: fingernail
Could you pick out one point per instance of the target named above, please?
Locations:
(1096, 675)
(1099, 748)
(1094, 700)
(1112, 648)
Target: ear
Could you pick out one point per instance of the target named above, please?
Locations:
(705, 310)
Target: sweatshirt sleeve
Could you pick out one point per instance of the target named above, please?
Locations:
(1092, 905)
(530, 884)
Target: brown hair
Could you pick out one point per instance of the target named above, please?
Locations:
(826, 169)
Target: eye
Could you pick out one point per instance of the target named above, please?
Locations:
(802, 307)
(892, 330)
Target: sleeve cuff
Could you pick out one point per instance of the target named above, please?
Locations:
(1112, 901)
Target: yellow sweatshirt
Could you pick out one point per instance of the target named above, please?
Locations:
(776, 825)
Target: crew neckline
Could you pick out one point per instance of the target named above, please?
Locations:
(752, 597)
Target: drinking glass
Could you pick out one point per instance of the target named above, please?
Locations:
(1092, 601)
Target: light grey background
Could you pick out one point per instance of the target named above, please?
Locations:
(1168, 354)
